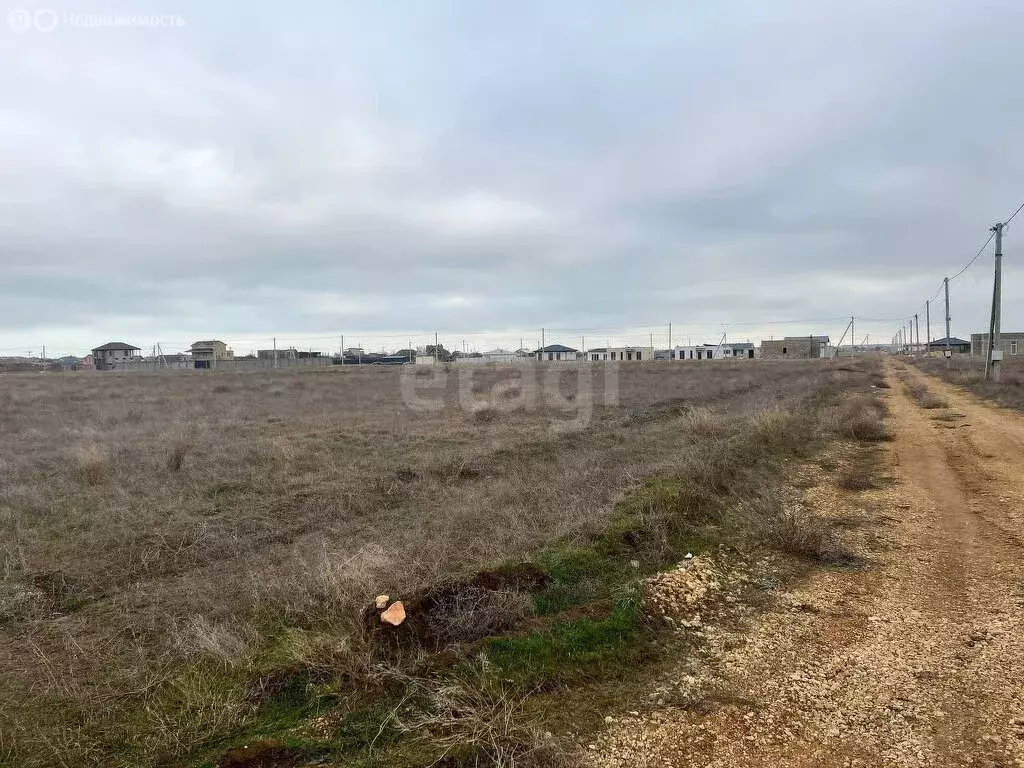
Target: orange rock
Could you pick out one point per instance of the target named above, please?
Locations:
(394, 615)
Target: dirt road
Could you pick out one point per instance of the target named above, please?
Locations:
(916, 659)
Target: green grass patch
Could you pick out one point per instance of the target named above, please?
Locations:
(574, 649)
(653, 527)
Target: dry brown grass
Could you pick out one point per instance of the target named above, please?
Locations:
(150, 567)
(963, 371)
(923, 396)
(785, 526)
(476, 722)
(862, 418)
(91, 460)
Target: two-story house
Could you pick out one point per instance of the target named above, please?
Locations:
(108, 356)
(206, 354)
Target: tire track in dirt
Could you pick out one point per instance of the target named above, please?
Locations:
(916, 661)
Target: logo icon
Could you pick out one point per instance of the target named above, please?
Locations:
(19, 19)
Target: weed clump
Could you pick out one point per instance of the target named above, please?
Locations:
(924, 396)
(180, 447)
(862, 418)
(473, 720)
(92, 462)
(771, 522)
(468, 614)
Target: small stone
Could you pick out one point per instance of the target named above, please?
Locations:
(689, 556)
(381, 602)
(394, 615)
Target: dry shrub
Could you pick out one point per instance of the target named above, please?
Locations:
(512, 392)
(861, 418)
(219, 641)
(20, 601)
(703, 422)
(181, 444)
(324, 582)
(857, 478)
(924, 396)
(478, 721)
(92, 461)
(468, 614)
(483, 413)
(770, 522)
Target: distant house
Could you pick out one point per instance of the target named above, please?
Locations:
(1011, 342)
(206, 354)
(736, 351)
(555, 352)
(272, 354)
(794, 348)
(824, 346)
(108, 356)
(955, 345)
(620, 354)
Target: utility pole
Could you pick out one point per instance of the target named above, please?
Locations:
(670, 335)
(995, 350)
(853, 339)
(435, 347)
(949, 351)
(917, 334)
(342, 349)
(928, 329)
(275, 351)
(540, 355)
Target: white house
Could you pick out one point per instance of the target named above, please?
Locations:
(620, 354)
(555, 352)
(734, 351)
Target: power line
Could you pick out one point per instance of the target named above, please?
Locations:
(980, 251)
(1019, 207)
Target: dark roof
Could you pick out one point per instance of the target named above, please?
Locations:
(556, 348)
(740, 345)
(953, 341)
(202, 344)
(110, 346)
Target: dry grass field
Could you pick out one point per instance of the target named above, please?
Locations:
(969, 373)
(185, 558)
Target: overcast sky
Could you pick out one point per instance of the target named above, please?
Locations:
(481, 169)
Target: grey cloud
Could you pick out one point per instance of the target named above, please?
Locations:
(472, 166)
